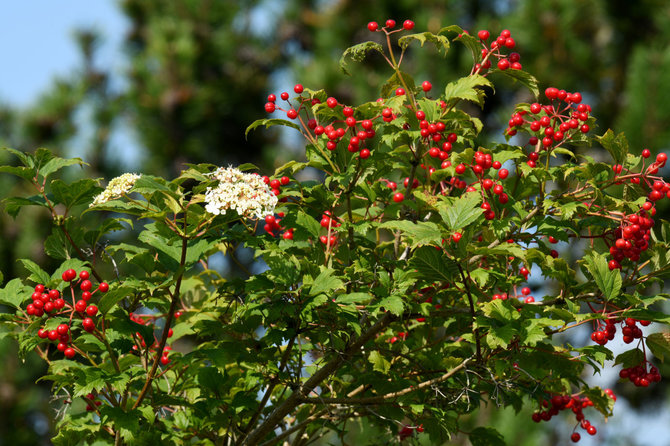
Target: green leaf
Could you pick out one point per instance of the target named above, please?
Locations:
(394, 82)
(37, 274)
(379, 363)
(269, 123)
(631, 358)
(500, 336)
(432, 265)
(24, 172)
(310, 224)
(326, 282)
(440, 42)
(471, 42)
(422, 233)
(56, 163)
(601, 401)
(395, 304)
(525, 78)
(608, 281)
(81, 191)
(468, 88)
(14, 293)
(486, 436)
(616, 145)
(14, 204)
(659, 344)
(357, 53)
(461, 212)
(113, 296)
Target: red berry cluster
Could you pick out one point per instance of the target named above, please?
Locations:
(150, 319)
(632, 237)
(49, 302)
(641, 375)
(328, 222)
(273, 227)
(407, 25)
(550, 125)
(495, 50)
(573, 402)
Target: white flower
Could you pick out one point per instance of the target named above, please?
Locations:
(245, 193)
(116, 187)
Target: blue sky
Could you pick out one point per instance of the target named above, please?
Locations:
(37, 43)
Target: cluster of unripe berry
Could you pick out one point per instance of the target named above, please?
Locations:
(150, 319)
(576, 404)
(552, 124)
(49, 302)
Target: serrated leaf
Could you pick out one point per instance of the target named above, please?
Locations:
(357, 53)
(75, 193)
(440, 42)
(14, 293)
(609, 282)
(326, 282)
(56, 163)
(432, 265)
(616, 145)
(14, 204)
(394, 304)
(525, 78)
(37, 274)
(395, 82)
(461, 212)
(270, 123)
(500, 336)
(601, 401)
(353, 298)
(421, 233)
(379, 363)
(659, 344)
(469, 88)
(486, 436)
(630, 358)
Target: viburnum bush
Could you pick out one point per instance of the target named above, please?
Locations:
(394, 293)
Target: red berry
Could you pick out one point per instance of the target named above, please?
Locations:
(398, 197)
(298, 88)
(103, 287)
(575, 437)
(331, 102)
(426, 86)
(69, 275)
(390, 23)
(88, 324)
(364, 153)
(86, 285)
(373, 26)
(42, 333)
(503, 173)
(91, 310)
(456, 236)
(270, 107)
(503, 64)
(408, 25)
(69, 353)
(80, 306)
(53, 335)
(62, 329)
(483, 34)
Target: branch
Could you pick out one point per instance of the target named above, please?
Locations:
(389, 396)
(317, 378)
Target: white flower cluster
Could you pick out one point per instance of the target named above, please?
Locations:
(116, 187)
(245, 193)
